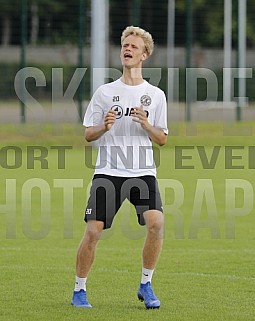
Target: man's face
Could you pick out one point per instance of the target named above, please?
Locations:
(132, 52)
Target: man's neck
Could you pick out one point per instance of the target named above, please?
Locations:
(132, 77)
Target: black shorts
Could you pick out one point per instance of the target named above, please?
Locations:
(107, 193)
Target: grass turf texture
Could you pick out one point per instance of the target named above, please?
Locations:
(198, 277)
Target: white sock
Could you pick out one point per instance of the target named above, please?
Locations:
(80, 284)
(146, 275)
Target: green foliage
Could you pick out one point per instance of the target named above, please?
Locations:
(208, 21)
(58, 20)
(9, 7)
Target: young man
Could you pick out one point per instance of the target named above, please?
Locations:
(125, 117)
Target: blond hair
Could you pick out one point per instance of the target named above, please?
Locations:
(145, 35)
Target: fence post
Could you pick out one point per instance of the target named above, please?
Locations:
(242, 12)
(136, 12)
(23, 54)
(80, 55)
(189, 29)
(170, 48)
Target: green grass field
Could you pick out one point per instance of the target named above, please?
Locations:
(206, 271)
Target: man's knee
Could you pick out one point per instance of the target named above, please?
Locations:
(154, 221)
(93, 230)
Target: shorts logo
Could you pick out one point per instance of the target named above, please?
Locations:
(119, 111)
(145, 100)
(88, 211)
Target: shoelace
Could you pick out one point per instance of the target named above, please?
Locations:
(150, 293)
(82, 297)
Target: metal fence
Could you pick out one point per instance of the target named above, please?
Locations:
(211, 42)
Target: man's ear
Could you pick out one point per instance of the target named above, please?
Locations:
(144, 56)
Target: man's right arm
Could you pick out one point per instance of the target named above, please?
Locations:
(93, 133)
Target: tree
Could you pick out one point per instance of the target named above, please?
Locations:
(208, 17)
(7, 10)
(56, 21)
(42, 13)
(34, 8)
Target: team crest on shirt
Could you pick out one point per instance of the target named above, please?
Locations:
(119, 111)
(145, 100)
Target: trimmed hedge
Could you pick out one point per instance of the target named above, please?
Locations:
(9, 71)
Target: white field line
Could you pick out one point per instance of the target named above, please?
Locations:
(214, 276)
(249, 250)
(115, 270)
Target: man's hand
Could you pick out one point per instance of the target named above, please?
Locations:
(109, 119)
(140, 116)
(95, 132)
(157, 135)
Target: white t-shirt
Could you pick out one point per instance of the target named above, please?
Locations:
(126, 150)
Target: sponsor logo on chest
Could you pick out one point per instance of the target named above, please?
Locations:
(145, 101)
